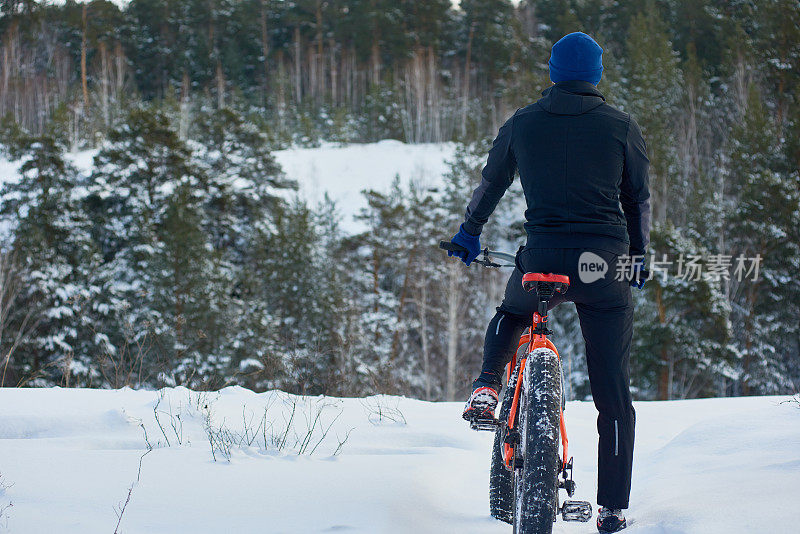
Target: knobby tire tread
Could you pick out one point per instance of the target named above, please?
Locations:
(536, 484)
(501, 480)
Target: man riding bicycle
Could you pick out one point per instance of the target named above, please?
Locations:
(584, 171)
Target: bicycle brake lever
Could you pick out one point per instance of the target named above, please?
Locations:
(486, 262)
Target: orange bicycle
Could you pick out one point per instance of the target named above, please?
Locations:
(530, 460)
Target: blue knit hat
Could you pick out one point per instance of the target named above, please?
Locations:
(576, 56)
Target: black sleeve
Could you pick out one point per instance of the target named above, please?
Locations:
(635, 190)
(497, 176)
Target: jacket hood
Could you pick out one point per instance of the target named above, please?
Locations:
(573, 97)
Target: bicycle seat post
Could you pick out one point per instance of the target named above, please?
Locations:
(543, 307)
(546, 285)
(544, 292)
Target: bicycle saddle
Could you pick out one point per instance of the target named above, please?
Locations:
(545, 283)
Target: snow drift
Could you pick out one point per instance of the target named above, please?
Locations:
(70, 457)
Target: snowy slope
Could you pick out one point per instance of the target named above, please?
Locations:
(342, 171)
(705, 467)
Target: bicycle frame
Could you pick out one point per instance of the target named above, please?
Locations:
(536, 338)
(507, 436)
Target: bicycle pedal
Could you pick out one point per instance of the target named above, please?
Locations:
(576, 511)
(484, 423)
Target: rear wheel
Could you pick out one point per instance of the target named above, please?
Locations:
(536, 481)
(501, 480)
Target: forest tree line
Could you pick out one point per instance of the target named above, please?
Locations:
(185, 257)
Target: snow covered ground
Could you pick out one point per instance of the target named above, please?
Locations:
(402, 466)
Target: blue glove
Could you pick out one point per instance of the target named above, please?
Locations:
(470, 242)
(640, 274)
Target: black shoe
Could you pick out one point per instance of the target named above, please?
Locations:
(609, 520)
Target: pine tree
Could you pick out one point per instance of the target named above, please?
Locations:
(188, 295)
(777, 42)
(382, 251)
(682, 328)
(155, 46)
(762, 221)
(302, 300)
(428, 23)
(241, 201)
(243, 183)
(57, 259)
(488, 45)
(467, 296)
(697, 189)
(652, 96)
(145, 192)
(424, 278)
(335, 294)
(13, 139)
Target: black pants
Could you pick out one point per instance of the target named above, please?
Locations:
(605, 310)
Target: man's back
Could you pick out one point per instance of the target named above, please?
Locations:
(583, 169)
(570, 150)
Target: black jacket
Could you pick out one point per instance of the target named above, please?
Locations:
(583, 166)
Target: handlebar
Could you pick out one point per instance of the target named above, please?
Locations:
(485, 257)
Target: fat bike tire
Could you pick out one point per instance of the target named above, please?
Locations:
(536, 481)
(501, 480)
